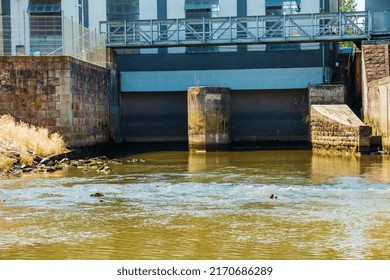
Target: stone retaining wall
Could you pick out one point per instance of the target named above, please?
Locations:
(378, 110)
(376, 88)
(376, 61)
(57, 92)
(335, 128)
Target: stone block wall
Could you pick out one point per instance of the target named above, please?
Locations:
(335, 128)
(57, 92)
(376, 87)
(376, 61)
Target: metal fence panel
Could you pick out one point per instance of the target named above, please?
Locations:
(32, 34)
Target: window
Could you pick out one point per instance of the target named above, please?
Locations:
(44, 6)
(198, 9)
(279, 8)
(122, 9)
(45, 26)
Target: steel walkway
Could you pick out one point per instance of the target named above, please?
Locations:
(322, 27)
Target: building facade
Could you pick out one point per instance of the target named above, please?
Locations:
(269, 82)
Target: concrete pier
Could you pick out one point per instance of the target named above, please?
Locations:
(208, 118)
(336, 129)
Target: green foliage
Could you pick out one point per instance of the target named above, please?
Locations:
(348, 5)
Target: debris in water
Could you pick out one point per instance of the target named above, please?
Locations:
(97, 194)
(272, 196)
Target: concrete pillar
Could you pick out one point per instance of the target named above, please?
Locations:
(208, 118)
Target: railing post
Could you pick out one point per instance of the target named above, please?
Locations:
(231, 29)
(177, 31)
(71, 22)
(312, 32)
(125, 31)
(285, 27)
(151, 32)
(204, 31)
(24, 32)
(63, 33)
(341, 24)
(257, 29)
(369, 24)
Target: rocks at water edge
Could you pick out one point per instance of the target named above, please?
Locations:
(272, 196)
(97, 194)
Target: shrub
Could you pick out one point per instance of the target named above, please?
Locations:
(27, 137)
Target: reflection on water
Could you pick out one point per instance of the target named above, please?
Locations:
(179, 205)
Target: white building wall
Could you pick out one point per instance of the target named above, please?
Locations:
(310, 6)
(147, 11)
(255, 7)
(97, 12)
(227, 8)
(175, 9)
(70, 9)
(20, 25)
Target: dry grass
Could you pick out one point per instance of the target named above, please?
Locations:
(26, 140)
(26, 158)
(27, 137)
(6, 163)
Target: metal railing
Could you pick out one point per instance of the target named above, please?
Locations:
(238, 30)
(51, 35)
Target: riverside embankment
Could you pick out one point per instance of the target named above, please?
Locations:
(26, 148)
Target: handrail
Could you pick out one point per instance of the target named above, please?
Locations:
(293, 28)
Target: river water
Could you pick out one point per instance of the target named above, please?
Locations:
(180, 205)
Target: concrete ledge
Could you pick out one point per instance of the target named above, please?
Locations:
(335, 128)
(328, 94)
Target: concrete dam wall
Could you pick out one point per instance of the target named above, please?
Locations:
(256, 116)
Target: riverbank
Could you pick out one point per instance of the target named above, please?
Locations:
(26, 148)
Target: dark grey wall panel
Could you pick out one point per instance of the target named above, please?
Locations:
(222, 60)
(155, 117)
(277, 115)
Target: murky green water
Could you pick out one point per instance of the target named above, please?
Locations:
(178, 205)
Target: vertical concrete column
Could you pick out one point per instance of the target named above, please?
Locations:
(208, 118)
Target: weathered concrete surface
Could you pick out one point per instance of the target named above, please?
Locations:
(114, 98)
(335, 128)
(60, 93)
(271, 117)
(208, 118)
(377, 110)
(154, 117)
(376, 61)
(328, 94)
(375, 88)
